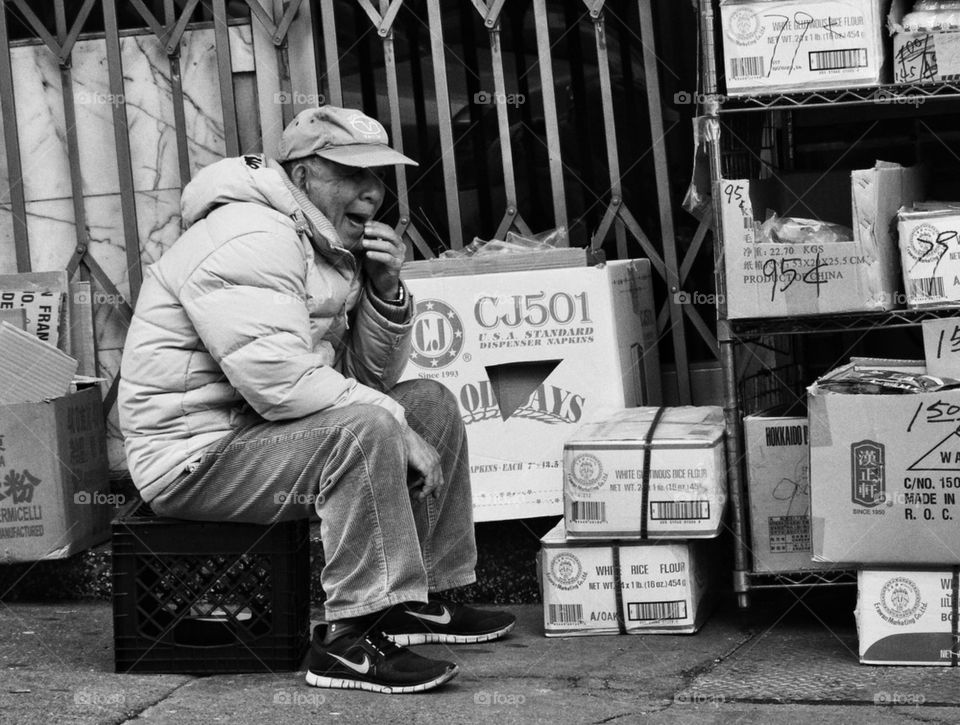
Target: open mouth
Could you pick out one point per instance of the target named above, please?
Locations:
(356, 220)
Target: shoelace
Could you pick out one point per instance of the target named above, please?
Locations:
(382, 644)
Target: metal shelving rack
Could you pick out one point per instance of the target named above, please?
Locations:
(733, 333)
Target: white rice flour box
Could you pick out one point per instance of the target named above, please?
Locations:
(646, 473)
(622, 587)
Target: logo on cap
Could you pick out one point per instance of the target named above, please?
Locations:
(366, 126)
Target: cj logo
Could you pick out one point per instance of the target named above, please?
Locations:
(437, 335)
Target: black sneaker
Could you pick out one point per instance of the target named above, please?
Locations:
(354, 659)
(439, 622)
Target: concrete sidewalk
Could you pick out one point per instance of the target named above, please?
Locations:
(784, 661)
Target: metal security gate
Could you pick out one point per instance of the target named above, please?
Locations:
(108, 108)
(525, 115)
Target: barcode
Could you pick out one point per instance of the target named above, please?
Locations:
(747, 67)
(589, 511)
(641, 611)
(660, 510)
(565, 613)
(927, 287)
(838, 59)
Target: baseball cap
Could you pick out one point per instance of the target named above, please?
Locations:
(344, 135)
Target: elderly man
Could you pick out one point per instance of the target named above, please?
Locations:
(259, 384)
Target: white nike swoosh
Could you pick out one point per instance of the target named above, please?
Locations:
(435, 618)
(362, 667)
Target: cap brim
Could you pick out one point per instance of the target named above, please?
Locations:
(365, 155)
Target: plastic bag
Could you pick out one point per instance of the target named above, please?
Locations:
(927, 16)
(794, 230)
(550, 239)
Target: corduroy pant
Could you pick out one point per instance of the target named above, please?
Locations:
(381, 545)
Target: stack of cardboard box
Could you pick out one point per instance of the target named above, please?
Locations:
(885, 477)
(643, 488)
(54, 490)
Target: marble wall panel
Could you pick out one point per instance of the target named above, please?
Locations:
(4, 170)
(8, 252)
(94, 105)
(241, 49)
(149, 97)
(153, 142)
(40, 123)
(201, 99)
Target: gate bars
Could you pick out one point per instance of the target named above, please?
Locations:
(627, 230)
(277, 19)
(170, 33)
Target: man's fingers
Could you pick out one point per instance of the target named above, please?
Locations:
(424, 460)
(381, 246)
(388, 259)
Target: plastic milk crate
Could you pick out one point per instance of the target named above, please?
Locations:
(203, 597)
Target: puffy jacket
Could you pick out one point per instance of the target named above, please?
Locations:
(256, 310)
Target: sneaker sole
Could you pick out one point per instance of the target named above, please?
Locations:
(408, 640)
(341, 683)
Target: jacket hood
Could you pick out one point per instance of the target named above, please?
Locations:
(239, 179)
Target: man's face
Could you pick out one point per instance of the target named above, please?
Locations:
(348, 196)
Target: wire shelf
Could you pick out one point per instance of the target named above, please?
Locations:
(892, 94)
(818, 578)
(837, 323)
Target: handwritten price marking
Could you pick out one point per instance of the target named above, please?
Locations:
(783, 273)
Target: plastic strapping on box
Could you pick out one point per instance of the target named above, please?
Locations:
(954, 590)
(645, 482)
(618, 590)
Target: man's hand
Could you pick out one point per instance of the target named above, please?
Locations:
(423, 458)
(384, 255)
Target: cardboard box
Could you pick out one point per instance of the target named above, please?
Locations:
(772, 279)
(613, 469)
(885, 477)
(530, 356)
(778, 489)
(70, 324)
(922, 55)
(498, 263)
(30, 369)
(929, 255)
(54, 491)
(801, 45)
(662, 588)
(941, 347)
(17, 318)
(41, 308)
(908, 617)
